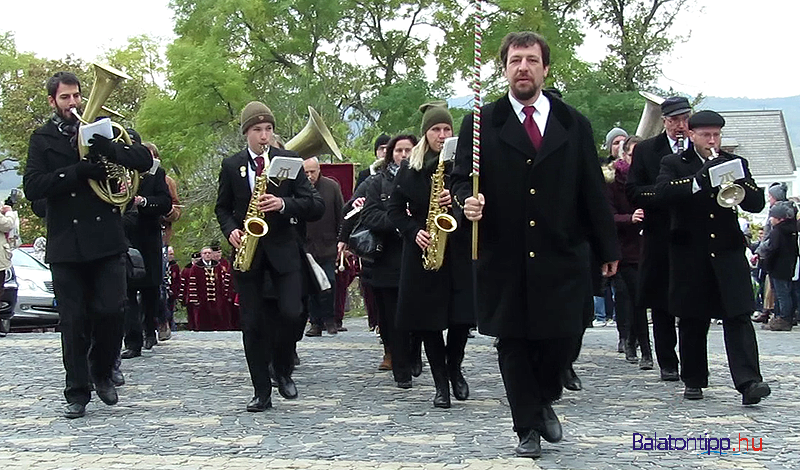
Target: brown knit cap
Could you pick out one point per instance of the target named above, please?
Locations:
(255, 112)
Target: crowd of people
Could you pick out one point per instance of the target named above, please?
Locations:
(555, 227)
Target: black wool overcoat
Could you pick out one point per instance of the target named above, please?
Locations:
(709, 276)
(545, 212)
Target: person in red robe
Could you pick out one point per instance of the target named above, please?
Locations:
(206, 294)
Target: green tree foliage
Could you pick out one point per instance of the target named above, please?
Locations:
(640, 37)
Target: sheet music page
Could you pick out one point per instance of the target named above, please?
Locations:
(728, 171)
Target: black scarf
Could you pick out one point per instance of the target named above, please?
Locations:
(68, 129)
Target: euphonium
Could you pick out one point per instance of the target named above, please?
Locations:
(438, 223)
(730, 194)
(121, 184)
(254, 227)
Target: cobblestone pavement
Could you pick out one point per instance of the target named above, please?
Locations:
(183, 408)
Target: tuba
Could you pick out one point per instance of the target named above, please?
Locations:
(650, 123)
(314, 139)
(121, 184)
(730, 194)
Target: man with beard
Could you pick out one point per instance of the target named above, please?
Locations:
(271, 291)
(534, 260)
(86, 242)
(653, 282)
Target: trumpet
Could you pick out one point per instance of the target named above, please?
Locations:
(730, 194)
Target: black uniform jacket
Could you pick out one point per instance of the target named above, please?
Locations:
(143, 226)
(709, 276)
(654, 261)
(384, 271)
(80, 226)
(429, 300)
(779, 251)
(282, 243)
(545, 213)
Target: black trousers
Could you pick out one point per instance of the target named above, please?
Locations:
(269, 325)
(445, 357)
(140, 317)
(398, 342)
(531, 374)
(636, 329)
(91, 302)
(665, 338)
(740, 346)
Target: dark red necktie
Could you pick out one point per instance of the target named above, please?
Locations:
(259, 165)
(531, 127)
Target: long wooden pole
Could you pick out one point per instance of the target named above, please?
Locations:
(476, 119)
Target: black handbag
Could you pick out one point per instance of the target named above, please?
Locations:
(365, 243)
(135, 264)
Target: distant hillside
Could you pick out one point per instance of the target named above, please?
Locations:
(790, 107)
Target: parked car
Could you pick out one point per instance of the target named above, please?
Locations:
(36, 302)
(8, 302)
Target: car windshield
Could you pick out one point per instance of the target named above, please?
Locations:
(24, 260)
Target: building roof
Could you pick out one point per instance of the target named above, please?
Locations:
(761, 138)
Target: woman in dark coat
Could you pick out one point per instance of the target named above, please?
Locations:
(383, 274)
(631, 319)
(431, 301)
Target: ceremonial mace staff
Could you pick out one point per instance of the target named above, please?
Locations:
(476, 120)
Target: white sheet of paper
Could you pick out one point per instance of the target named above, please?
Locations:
(282, 168)
(449, 149)
(728, 171)
(101, 126)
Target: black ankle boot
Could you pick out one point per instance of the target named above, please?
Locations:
(442, 398)
(630, 352)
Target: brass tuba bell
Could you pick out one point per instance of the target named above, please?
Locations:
(314, 139)
(121, 184)
(650, 123)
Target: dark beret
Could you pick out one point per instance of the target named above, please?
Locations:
(675, 105)
(215, 247)
(706, 119)
(196, 255)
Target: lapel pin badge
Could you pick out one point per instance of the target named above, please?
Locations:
(243, 171)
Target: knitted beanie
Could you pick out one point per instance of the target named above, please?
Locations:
(434, 112)
(255, 113)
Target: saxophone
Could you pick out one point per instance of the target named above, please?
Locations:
(438, 223)
(254, 227)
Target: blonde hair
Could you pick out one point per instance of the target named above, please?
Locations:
(417, 157)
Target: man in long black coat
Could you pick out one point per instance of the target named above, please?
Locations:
(85, 243)
(542, 212)
(270, 292)
(709, 276)
(653, 282)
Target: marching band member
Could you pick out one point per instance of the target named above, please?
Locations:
(270, 292)
(542, 212)
(708, 273)
(431, 301)
(85, 242)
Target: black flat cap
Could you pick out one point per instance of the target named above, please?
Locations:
(706, 118)
(675, 105)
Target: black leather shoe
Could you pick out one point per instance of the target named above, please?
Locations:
(692, 393)
(416, 367)
(258, 404)
(550, 428)
(149, 342)
(286, 387)
(442, 397)
(74, 410)
(107, 392)
(530, 445)
(404, 384)
(130, 354)
(754, 393)
(670, 375)
(117, 378)
(630, 353)
(460, 387)
(646, 363)
(570, 380)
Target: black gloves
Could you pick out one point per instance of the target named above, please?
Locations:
(88, 170)
(103, 146)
